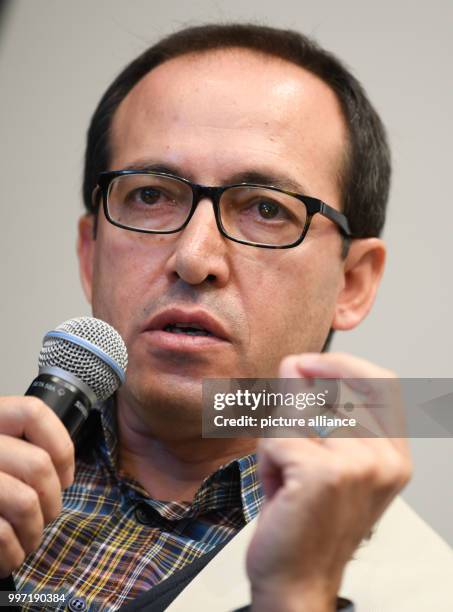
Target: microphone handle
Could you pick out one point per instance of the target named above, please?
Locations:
(71, 404)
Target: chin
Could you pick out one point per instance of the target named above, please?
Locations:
(162, 395)
(173, 418)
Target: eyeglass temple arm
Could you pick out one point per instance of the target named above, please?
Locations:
(337, 217)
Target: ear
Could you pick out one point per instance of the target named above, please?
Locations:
(363, 269)
(86, 244)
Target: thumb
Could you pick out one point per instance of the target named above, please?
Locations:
(291, 366)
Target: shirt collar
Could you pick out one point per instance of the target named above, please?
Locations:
(234, 484)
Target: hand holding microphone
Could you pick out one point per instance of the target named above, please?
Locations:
(83, 361)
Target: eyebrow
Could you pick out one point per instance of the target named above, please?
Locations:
(270, 179)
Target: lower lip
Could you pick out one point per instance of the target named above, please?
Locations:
(182, 342)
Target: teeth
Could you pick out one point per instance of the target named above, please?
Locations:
(191, 332)
(186, 328)
(184, 325)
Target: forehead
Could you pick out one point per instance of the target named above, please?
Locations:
(231, 110)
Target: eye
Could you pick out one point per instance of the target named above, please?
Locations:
(148, 195)
(268, 209)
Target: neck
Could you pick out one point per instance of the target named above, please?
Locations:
(171, 469)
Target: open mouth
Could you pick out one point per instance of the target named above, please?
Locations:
(190, 329)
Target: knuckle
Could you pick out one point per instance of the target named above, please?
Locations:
(344, 474)
(41, 464)
(27, 504)
(55, 510)
(6, 534)
(64, 455)
(397, 472)
(335, 476)
(34, 408)
(406, 472)
(369, 471)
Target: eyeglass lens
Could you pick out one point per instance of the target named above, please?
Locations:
(251, 214)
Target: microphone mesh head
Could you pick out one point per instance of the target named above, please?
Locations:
(86, 365)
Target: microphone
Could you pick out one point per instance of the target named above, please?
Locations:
(83, 361)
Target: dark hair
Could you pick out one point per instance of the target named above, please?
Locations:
(365, 177)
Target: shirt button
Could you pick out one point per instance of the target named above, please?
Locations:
(77, 604)
(142, 515)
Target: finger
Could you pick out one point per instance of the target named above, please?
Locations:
(370, 436)
(13, 554)
(334, 365)
(384, 415)
(287, 453)
(30, 418)
(20, 507)
(374, 455)
(350, 372)
(380, 472)
(279, 461)
(33, 466)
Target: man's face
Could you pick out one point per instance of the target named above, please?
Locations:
(213, 118)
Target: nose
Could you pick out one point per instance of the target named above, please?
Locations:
(200, 252)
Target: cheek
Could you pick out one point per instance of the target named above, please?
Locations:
(293, 306)
(124, 271)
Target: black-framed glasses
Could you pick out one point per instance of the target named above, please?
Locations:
(255, 215)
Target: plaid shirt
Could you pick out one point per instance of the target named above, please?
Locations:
(111, 542)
